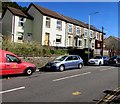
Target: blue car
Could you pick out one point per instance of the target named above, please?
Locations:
(65, 62)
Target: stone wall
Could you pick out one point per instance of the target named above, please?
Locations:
(38, 61)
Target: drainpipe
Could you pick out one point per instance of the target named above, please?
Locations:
(13, 28)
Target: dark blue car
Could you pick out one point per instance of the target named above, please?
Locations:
(65, 62)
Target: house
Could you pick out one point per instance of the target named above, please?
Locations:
(112, 44)
(49, 28)
(16, 24)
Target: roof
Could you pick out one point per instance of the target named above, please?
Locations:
(74, 21)
(17, 12)
(47, 12)
(54, 14)
(113, 37)
(93, 28)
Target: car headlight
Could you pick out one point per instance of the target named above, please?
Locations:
(96, 60)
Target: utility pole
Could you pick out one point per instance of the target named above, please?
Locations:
(102, 43)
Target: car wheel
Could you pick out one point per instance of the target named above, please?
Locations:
(62, 68)
(99, 63)
(29, 71)
(80, 66)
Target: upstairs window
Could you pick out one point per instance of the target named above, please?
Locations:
(78, 31)
(47, 22)
(21, 22)
(97, 36)
(91, 34)
(85, 33)
(70, 28)
(59, 25)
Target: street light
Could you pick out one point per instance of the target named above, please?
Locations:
(89, 29)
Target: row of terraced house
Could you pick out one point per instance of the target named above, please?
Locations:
(49, 28)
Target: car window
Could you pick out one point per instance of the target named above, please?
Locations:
(75, 57)
(69, 58)
(60, 58)
(114, 57)
(11, 58)
(98, 57)
(105, 57)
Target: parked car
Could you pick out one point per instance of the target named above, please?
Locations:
(114, 60)
(98, 60)
(65, 62)
(11, 64)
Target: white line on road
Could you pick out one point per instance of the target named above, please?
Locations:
(71, 76)
(12, 90)
(107, 69)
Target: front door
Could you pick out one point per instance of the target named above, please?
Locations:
(47, 39)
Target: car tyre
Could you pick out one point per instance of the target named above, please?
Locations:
(62, 68)
(80, 66)
(99, 63)
(28, 71)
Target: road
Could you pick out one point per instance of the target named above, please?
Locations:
(79, 85)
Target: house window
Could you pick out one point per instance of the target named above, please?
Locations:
(70, 28)
(91, 34)
(21, 22)
(97, 36)
(78, 42)
(47, 22)
(78, 30)
(85, 33)
(59, 25)
(20, 36)
(58, 38)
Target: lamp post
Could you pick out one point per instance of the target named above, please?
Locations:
(89, 31)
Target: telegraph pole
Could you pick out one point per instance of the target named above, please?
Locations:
(102, 41)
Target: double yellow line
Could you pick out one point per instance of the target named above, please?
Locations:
(109, 97)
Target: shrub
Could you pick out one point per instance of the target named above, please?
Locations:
(30, 49)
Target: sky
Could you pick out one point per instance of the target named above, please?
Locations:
(107, 16)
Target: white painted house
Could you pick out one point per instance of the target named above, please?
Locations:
(48, 26)
(16, 24)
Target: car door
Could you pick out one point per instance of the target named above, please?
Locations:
(75, 61)
(11, 65)
(68, 62)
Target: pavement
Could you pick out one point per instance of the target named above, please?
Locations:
(76, 85)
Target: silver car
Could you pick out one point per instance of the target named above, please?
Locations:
(65, 62)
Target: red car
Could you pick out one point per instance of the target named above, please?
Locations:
(11, 64)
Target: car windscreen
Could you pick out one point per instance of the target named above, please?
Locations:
(60, 58)
(114, 57)
(98, 57)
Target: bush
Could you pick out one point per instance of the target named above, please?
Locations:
(30, 49)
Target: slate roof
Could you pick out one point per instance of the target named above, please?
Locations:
(54, 14)
(47, 12)
(17, 12)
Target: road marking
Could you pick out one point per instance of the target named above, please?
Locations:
(76, 93)
(107, 69)
(12, 90)
(71, 76)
